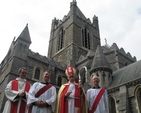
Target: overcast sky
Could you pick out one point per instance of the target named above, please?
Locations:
(119, 22)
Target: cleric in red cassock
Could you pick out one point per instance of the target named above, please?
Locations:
(71, 96)
(16, 92)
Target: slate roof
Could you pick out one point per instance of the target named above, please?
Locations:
(126, 74)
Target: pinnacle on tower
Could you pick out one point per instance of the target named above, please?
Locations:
(74, 1)
(25, 35)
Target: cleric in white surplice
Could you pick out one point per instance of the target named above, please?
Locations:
(16, 92)
(97, 98)
(42, 96)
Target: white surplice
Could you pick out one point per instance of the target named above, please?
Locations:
(102, 106)
(48, 96)
(71, 107)
(13, 95)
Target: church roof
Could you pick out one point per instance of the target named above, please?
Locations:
(126, 74)
(100, 60)
(74, 10)
(25, 36)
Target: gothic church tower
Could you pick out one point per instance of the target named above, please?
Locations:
(15, 58)
(73, 36)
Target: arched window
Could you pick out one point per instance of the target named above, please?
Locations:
(138, 94)
(61, 39)
(85, 38)
(112, 107)
(59, 81)
(37, 74)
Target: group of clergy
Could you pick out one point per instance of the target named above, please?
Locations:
(41, 97)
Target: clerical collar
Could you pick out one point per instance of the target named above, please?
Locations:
(96, 87)
(20, 79)
(45, 83)
(71, 82)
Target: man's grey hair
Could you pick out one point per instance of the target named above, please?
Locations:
(21, 69)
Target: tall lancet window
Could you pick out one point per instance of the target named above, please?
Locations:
(112, 106)
(59, 81)
(86, 38)
(37, 74)
(61, 39)
(138, 96)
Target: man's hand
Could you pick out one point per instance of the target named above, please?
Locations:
(67, 94)
(38, 103)
(21, 94)
(79, 85)
(41, 103)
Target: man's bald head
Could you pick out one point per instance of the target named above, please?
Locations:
(95, 81)
(95, 77)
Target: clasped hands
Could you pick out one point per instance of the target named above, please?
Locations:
(21, 94)
(41, 103)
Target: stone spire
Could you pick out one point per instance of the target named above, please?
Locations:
(74, 10)
(99, 60)
(25, 36)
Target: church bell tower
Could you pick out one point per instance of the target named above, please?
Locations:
(73, 36)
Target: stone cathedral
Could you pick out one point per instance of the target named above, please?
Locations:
(75, 40)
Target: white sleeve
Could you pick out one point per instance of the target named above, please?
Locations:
(106, 101)
(31, 94)
(11, 94)
(53, 97)
(87, 97)
(52, 100)
(26, 95)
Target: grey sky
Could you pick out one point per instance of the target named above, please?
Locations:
(119, 21)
